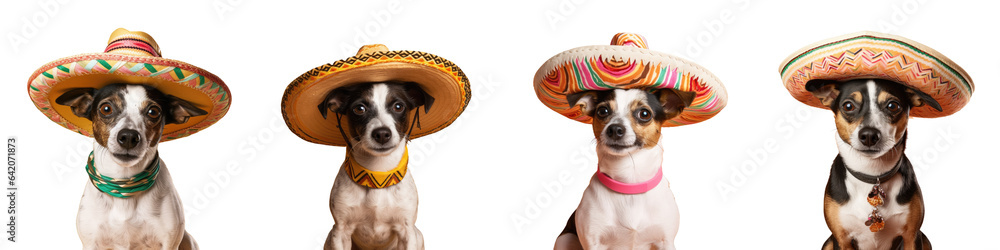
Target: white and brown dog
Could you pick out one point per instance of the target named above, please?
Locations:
(872, 198)
(375, 217)
(128, 123)
(628, 204)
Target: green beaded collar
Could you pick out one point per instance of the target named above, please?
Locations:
(124, 188)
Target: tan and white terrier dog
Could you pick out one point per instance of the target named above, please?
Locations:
(128, 124)
(628, 204)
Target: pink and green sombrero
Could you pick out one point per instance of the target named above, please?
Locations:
(440, 78)
(883, 56)
(131, 57)
(627, 64)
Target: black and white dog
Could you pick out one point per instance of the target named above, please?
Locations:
(378, 130)
(627, 126)
(128, 123)
(872, 197)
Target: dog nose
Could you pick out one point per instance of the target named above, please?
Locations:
(868, 136)
(616, 131)
(381, 135)
(128, 138)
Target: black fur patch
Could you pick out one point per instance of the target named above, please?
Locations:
(346, 100)
(836, 187)
(910, 187)
(570, 225)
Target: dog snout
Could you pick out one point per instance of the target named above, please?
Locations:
(381, 135)
(128, 138)
(868, 136)
(616, 131)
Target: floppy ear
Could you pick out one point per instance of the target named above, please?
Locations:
(181, 110)
(918, 98)
(825, 90)
(583, 99)
(79, 100)
(418, 96)
(334, 102)
(674, 101)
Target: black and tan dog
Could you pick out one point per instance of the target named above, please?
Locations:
(872, 197)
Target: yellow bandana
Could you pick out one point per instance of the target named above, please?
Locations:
(373, 179)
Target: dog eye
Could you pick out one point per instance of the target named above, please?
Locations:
(603, 111)
(398, 107)
(106, 109)
(848, 106)
(153, 112)
(360, 110)
(892, 106)
(644, 115)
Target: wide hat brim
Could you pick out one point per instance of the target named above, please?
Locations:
(439, 78)
(185, 81)
(606, 67)
(883, 56)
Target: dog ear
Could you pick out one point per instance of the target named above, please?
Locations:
(79, 100)
(918, 98)
(586, 100)
(418, 96)
(180, 110)
(674, 101)
(825, 90)
(334, 102)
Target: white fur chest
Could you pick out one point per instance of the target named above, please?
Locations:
(151, 220)
(373, 214)
(641, 221)
(855, 212)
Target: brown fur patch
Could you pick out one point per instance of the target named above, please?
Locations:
(831, 212)
(102, 124)
(827, 94)
(900, 122)
(154, 127)
(649, 131)
(845, 127)
(674, 102)
(914, 221)
(901, 128)
(857, 97)
(79, 109)
(600, 123)
(101, 133)
(915, 99)
(883, 97)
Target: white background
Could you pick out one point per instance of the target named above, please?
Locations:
(492, 180)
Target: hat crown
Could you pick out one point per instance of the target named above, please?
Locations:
(372, 48)
(629, 39)
(132, 43)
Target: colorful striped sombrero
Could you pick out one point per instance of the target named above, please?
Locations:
(131, 57)
(876, 55)
(440, 78)
(627, 64)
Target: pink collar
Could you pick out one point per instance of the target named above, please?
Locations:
(630, 188)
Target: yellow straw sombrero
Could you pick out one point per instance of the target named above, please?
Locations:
(131, 57)
(876, 55)
(440, 78)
